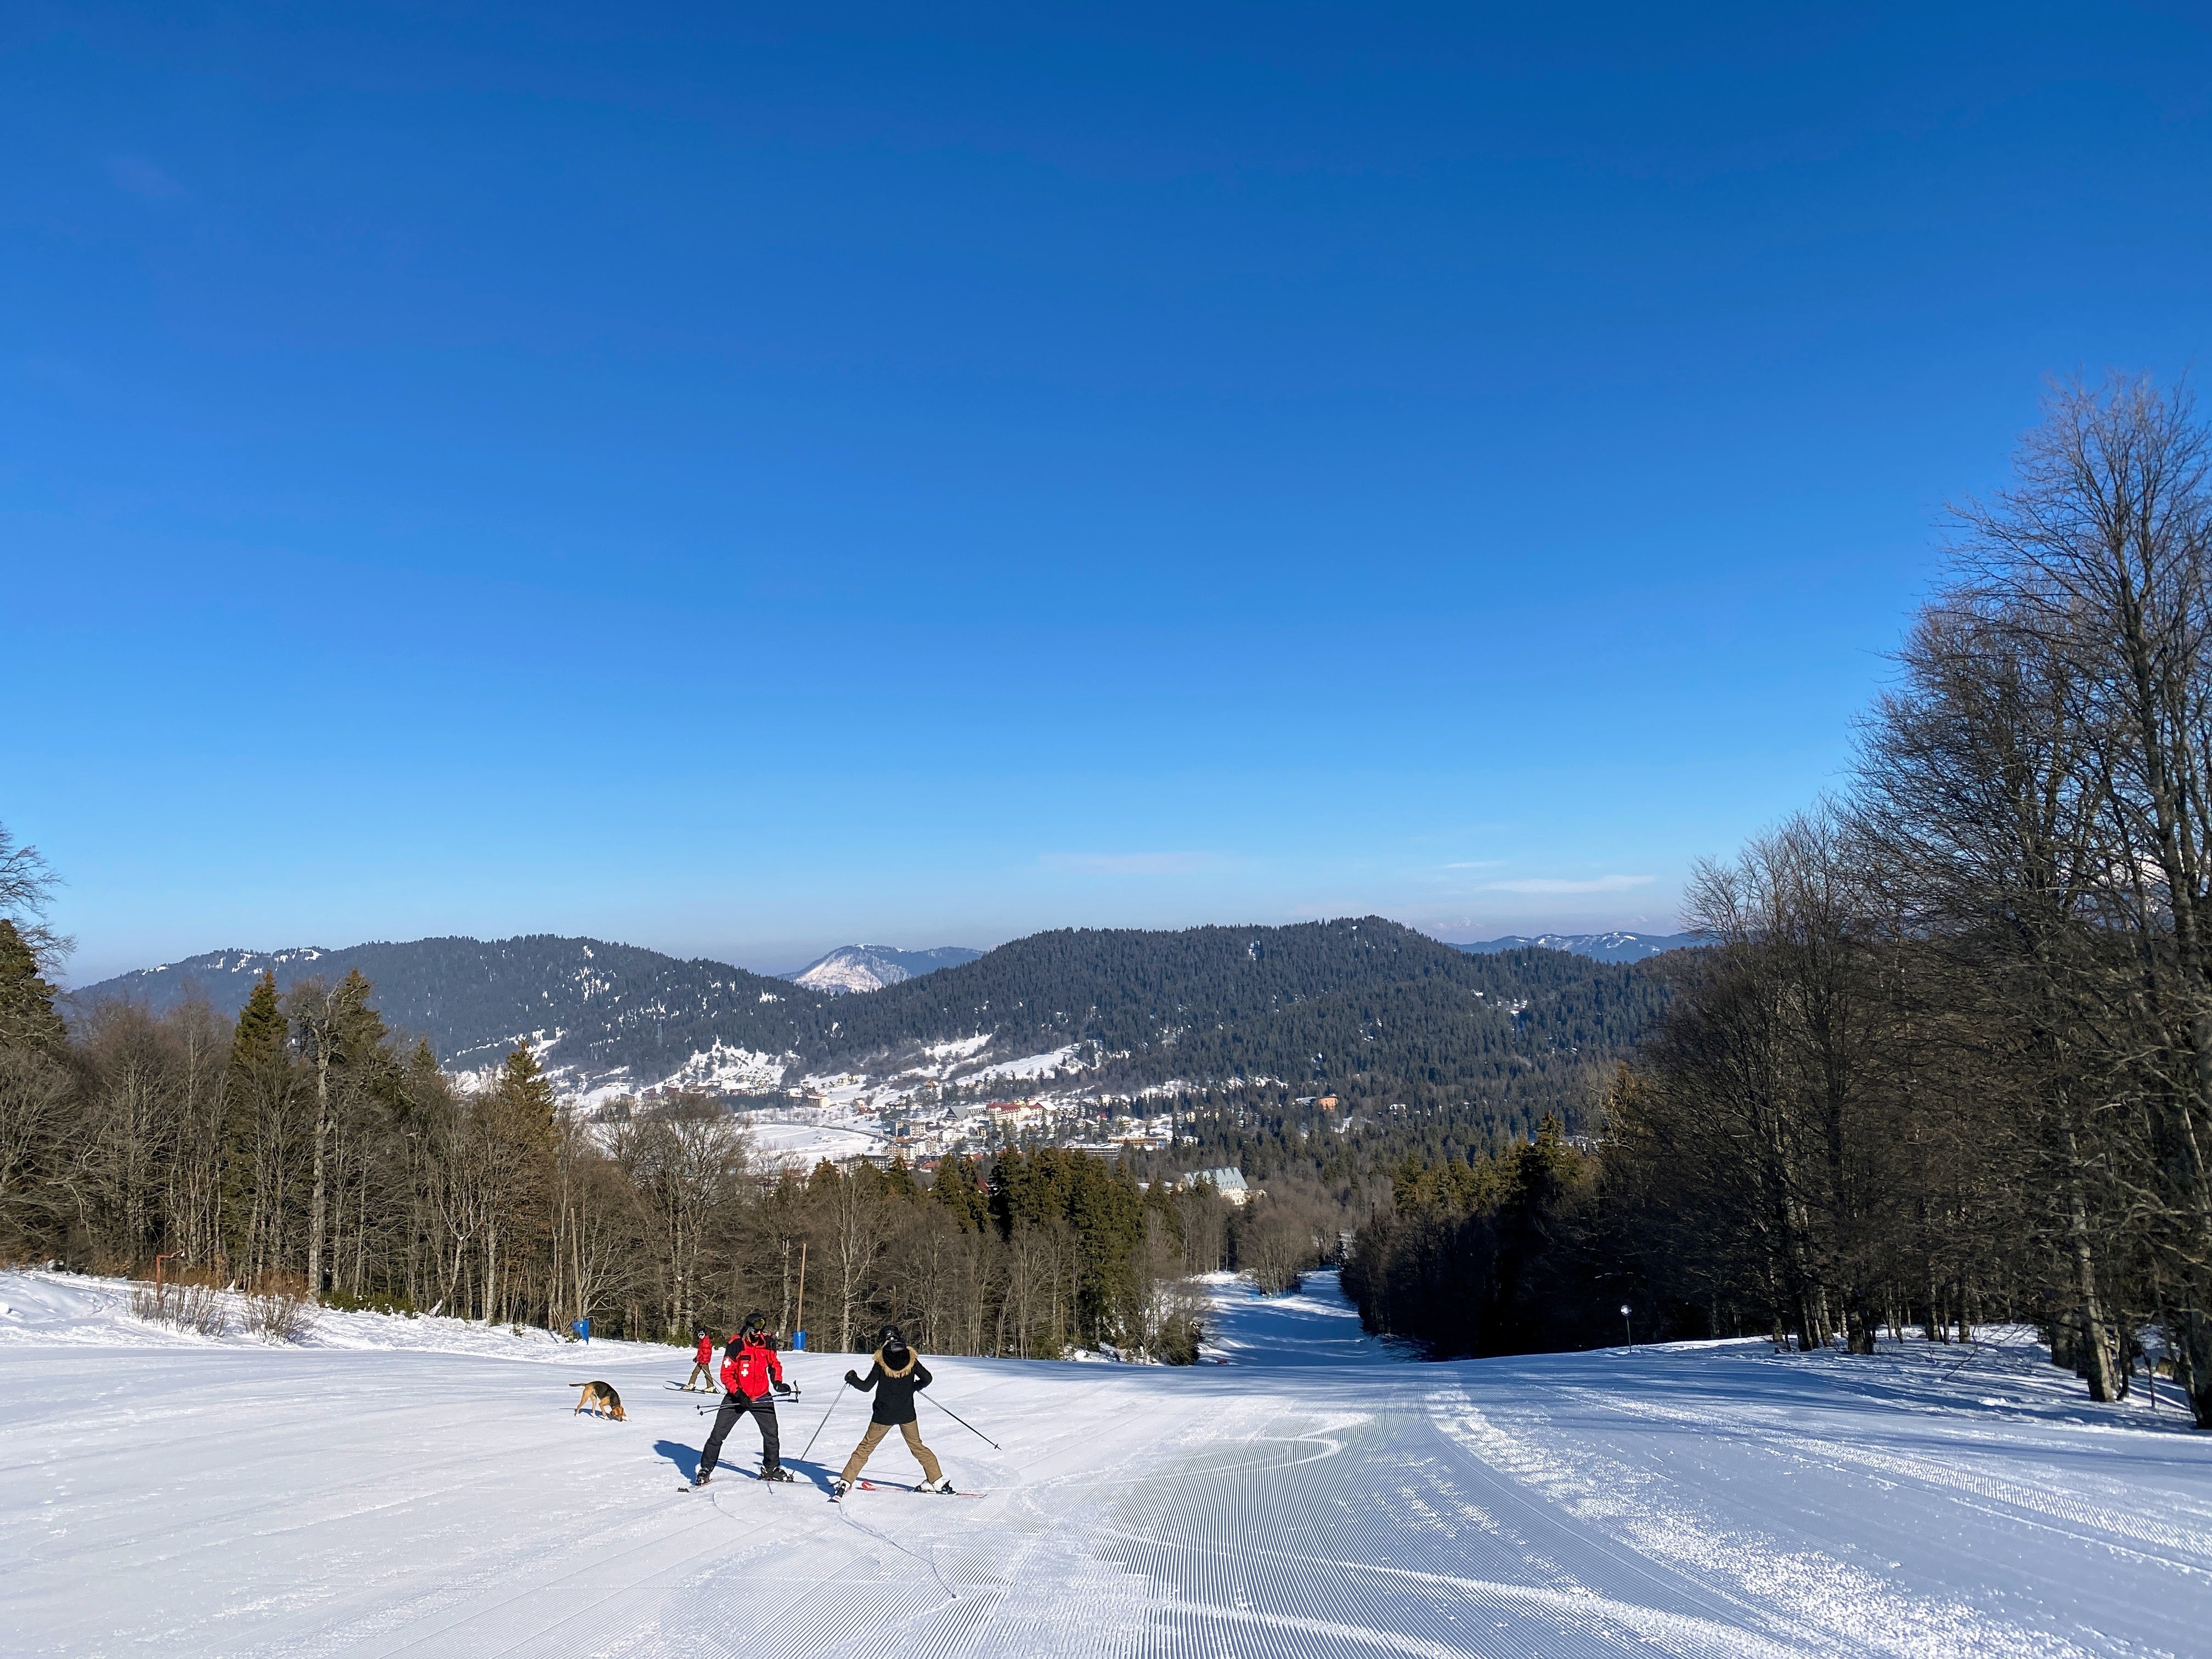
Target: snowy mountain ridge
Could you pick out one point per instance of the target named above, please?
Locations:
(860, 968)
(1615, 946)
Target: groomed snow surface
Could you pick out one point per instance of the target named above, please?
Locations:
(422, 1487)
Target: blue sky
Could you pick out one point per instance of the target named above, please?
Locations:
(741, 482)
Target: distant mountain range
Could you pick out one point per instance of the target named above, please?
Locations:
(1599, 947)
(1366, 1007)
(609, 1008)
(872, 967)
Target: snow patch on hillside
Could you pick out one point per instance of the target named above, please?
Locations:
(726, 1069)
(778, 1144)
(958, 1048)
(850, 969)
(1029, 1067)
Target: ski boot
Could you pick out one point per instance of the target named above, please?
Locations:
(777, 1474)
(938, 1485)
(839, 1487)
(702, 1479)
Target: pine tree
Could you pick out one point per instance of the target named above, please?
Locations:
(957, 1187)
(899, 1182)
(28, 1019)
(260, 1040)
(526, 1092)
(259, 1091)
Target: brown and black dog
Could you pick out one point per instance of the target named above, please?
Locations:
(601, 1401)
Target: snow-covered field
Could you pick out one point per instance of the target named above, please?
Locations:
(421, 1487)
(802, 1146)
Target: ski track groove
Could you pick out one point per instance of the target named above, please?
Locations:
(2035, 1506)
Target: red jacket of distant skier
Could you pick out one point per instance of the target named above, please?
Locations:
(752, 1371)
(705, 1353)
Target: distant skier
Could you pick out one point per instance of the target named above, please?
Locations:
(751, 1376)
(703, 1365)
(897, 1373)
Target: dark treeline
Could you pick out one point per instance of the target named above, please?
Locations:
(1949, 1057)
(1496, 1253)
(303, 1147)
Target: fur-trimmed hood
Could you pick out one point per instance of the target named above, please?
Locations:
(913, 1359)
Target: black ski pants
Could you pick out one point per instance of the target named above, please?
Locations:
(735, 1406)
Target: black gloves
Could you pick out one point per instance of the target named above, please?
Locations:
(852, 1377)
(786, 1389)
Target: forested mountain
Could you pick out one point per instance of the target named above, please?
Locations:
(1367, 1008)
(614, 1006)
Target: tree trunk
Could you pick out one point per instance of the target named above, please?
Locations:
(318, 1200)
(2096, 1358)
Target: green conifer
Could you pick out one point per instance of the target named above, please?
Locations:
(28, 1019)
(899, 1182)
(525, 1091)
(257, 1089)
(260, 1041)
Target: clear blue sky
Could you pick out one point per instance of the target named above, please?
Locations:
(743, 484)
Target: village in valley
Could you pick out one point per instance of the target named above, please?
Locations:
(844, 1120)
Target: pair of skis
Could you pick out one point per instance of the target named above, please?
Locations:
(858, 1485)
(779, 1481)
(791, 1393)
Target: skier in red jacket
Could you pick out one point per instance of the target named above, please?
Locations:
(751, 1376)
(703, 1365)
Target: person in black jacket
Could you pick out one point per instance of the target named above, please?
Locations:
(897, 1373)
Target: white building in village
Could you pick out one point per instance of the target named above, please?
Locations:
(1230, 1183)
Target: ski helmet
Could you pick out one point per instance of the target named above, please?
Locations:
(889, 1337)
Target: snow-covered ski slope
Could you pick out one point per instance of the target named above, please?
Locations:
(421, 1487)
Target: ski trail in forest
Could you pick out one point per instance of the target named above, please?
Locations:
(1319, 1493)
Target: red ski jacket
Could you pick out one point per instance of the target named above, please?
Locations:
(705, 1353)
(752, 1371)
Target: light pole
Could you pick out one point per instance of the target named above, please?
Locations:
(1627, 1330)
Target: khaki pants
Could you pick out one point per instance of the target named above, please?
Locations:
(874, 1437)
(701, 1373)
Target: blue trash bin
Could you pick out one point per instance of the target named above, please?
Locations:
(799, 1338)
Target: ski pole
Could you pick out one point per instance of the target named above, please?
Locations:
(823, 1425)
(965, 1424)
(717, 1405)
